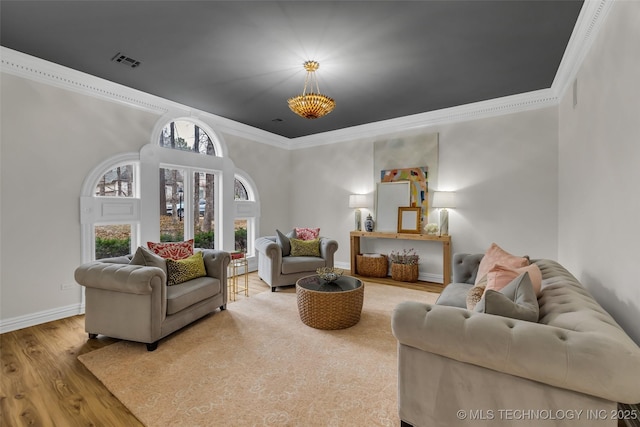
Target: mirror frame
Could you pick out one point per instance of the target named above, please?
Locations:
(409, 220)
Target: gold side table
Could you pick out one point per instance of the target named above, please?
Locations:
(239, 266)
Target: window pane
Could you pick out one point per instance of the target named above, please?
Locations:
(204, 187)
(171, 205)
(118, 182)
(186, 136)
(241, 235)
(240, 192)
(113, 240)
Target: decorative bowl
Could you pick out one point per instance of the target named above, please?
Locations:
(329, 274)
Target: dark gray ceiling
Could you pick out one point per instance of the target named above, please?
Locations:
(242, 60)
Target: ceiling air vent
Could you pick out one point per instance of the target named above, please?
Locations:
(125, 60)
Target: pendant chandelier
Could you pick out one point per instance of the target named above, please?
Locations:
(311, 105)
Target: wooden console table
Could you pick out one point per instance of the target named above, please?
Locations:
(445, 240)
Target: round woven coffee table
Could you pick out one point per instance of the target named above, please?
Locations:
(329, 305)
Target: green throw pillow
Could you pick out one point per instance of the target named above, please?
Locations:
(305, 247)
(183, 270)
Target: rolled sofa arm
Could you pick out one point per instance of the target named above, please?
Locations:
(216, 262)
(132, 279)
(267, 246)
(588, 362)
(328, 248)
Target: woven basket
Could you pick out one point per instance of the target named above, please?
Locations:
(372, 266)
(330, 310)
(404, 272)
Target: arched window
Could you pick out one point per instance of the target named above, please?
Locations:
(246, 213)
(109, 208)
(162, 194)
(187, 136)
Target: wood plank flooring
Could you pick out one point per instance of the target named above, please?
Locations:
(43, 384)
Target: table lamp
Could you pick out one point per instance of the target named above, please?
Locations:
(357, 201)
(444, 200)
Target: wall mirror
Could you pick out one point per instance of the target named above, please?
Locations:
(389, 197)
(409, 220)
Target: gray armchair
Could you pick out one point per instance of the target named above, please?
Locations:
(133, 302)
(278, 270)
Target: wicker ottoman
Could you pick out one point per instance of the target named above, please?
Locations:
(335, 305)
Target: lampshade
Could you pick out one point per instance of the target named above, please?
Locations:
(357, 201)
(444, 199)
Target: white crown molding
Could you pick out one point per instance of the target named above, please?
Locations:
(36, 69)
(590, 21)
(588, 24)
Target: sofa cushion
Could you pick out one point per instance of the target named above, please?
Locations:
(283, 241)
(454, 295)
(496, 255)
(292, 265)
(517, 300)
(305, 247)
(183, 270)
(306, 233)
(500, 276)
(144, 256)
(188, 293)
(172, 250)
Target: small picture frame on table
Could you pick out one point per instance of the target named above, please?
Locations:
(409, 219)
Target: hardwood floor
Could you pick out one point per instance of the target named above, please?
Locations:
(43, 383)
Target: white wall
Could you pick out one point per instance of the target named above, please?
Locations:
(504, 170)
(600, 169)
(51, 138)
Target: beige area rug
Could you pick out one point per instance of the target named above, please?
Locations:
(257, 364)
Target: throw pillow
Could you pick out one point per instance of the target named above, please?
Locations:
(500, 276)
(496, 255)
(474, 295)
(172, 250)
(283, 241)
(183, 270)
(305, 247)
(144, 256)
(517, 300)
(307, 233)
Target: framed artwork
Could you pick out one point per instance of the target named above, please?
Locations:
(418, 179)
(389, 197)
(409, 219)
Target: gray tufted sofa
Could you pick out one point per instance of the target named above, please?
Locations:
(461, 368)
(133, 302)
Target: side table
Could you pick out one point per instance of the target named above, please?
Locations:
(239, 266)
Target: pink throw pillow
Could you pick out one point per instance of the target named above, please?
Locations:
(172, 250)
(500, 276)
(306, 233)
(496, 255)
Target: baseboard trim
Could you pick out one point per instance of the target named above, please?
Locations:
(20, 322)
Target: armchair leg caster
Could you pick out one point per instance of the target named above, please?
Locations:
(223, 307)
(152, 346)
(273, 289)
(92, 336)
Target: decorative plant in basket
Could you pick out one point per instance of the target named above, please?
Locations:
(404, 265)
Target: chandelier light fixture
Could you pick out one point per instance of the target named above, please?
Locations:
(311, 105)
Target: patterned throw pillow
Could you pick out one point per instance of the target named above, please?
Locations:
(172, 250)
(183, 270)
(307, 233)
(305, 247)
